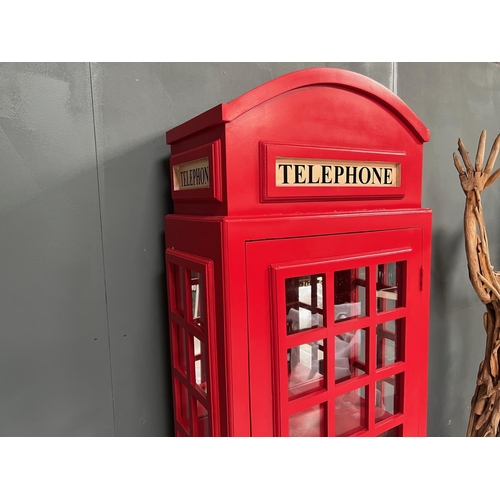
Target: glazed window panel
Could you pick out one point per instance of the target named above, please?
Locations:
(350, 354)
(200, 364)
(306, 372)
(191, 282)
(390, 283)
(350, 294)
(308, 423)
(394, 432)
(389, 342)
(388, 397)
(350, 412)
(197, 298)
(304, 302)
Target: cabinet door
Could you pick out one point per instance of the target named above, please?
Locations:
(336, 335)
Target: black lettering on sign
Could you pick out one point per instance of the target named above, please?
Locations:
(310, 178)
(192, 175)
(367, 176)
(285, 171)
(299, 172)
(377, 172)
(325, 174)
(339, 171)
(351, 175)
(387, 176)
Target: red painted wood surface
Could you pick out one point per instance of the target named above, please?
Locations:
(270, 342)
(320, 108)
(195, 377)
(255, 237)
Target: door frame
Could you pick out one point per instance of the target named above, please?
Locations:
(407, 242)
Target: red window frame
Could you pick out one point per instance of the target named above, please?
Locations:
(181, 319)
(373, 376)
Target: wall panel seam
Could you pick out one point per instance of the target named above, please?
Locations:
(395, 77)
(102, 246)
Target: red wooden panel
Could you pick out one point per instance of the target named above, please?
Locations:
(204, 235)
(293, 81)
(269, 341)
(318, 109)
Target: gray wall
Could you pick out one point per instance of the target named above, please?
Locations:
(453, 100)
(83, 192)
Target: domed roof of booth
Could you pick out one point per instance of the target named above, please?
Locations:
(227, 112)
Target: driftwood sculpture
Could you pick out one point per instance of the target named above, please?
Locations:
(485, 405)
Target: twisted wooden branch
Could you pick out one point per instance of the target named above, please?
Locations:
(484, 418)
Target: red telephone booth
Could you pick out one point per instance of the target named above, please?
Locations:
(298, 263)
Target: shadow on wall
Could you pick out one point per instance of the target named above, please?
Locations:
(169, 200)
(135, 197)
(166, 329)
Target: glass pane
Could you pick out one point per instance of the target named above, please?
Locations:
(350, 294)
(197, 298)
(304, 302)
(350, 412)
(182, 404)
(390, 279)
(389, 337)
(180, 356)
(308, 423)
(390, 326)
(394, 432)
(387, 397)
(202, 419)
(350, 354)
(200, 364)
(306, 368)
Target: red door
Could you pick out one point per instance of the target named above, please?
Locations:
(336, 339)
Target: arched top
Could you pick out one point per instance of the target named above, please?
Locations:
(339, 78)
